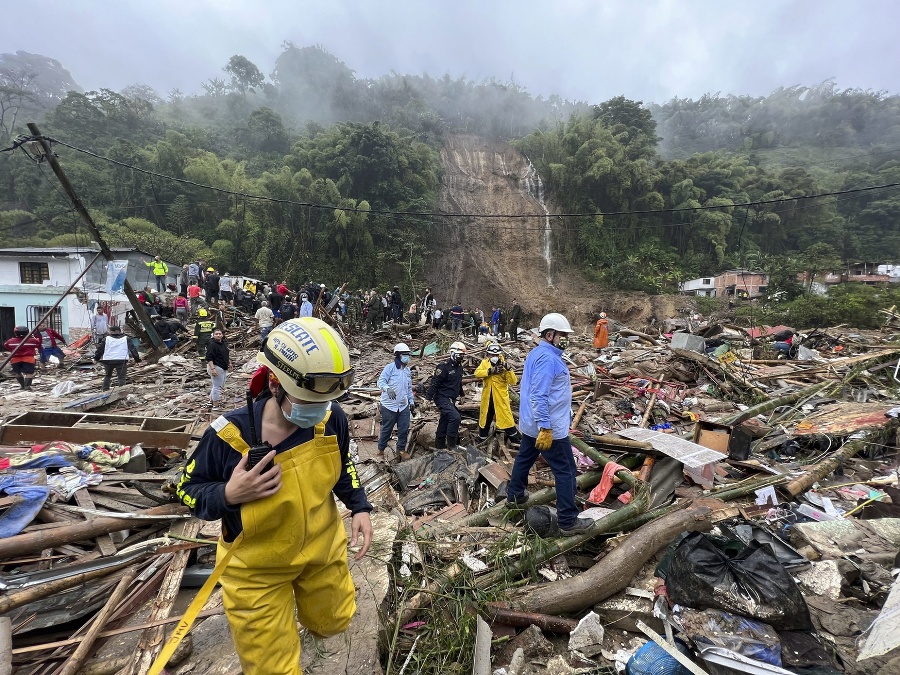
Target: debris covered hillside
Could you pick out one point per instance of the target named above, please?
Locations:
(745, 508)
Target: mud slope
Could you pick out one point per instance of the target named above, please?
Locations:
(489, 261)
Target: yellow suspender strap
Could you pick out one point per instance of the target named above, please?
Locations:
(229, 433)
(190, 616)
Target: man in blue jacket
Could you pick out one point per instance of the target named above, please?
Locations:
(397, 402)
(545, 414)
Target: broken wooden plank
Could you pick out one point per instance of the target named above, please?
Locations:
(104, 541)
(23, 544)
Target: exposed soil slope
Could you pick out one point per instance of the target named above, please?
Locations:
(490, 261)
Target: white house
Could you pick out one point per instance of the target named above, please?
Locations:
(32, 280)
(702, 286)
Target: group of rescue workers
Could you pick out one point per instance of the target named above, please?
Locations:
(268, 469)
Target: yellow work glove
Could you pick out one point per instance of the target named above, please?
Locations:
(544, 439)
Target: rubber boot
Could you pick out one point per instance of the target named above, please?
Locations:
(452, 442)
(440, 443)
(21, 381)
(27, 386)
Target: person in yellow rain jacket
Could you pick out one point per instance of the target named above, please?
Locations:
(497, 376)
(283, 547)
(160, 271)
(601, 332)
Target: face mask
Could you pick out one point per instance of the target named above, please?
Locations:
(404, 358)
(307, 415)
(455, 358)
(563, 343)
(495, 359)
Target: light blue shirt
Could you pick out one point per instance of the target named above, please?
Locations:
(306, 308)
(399, 382)
(545, 400)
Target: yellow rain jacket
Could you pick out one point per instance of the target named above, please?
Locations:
(496, 386)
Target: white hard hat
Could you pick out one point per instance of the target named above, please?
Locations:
(555, 321)
(309, 358)
(402, 347)
(457, 348)
(602, 315)
(493, 348)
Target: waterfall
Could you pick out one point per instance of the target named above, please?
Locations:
(534, 186)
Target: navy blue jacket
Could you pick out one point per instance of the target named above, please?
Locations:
(203, 485)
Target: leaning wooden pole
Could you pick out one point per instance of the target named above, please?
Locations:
(82, 211)
(81, 653)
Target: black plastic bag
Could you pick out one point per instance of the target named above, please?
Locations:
(752, 583)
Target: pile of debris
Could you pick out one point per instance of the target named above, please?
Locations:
(746, 516)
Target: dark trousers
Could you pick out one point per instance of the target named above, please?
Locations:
(514, 329)
(511, 433)
(120, 367)
(448, 424)
(204, 339)
(389, 418)
(561, 462)
(160, 284)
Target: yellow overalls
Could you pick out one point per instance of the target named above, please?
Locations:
(291, 557)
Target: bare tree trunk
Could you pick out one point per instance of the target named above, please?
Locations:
(615, 571)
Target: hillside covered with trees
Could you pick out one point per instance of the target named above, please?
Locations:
(340, 159)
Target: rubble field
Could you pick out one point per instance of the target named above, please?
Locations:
(746, 508)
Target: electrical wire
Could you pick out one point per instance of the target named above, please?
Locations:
(510, 216)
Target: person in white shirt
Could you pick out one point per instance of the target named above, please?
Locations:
(99, 325)
(225, 292)
(266, 319)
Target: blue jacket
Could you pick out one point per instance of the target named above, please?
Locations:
(396, 378)
(546, 393)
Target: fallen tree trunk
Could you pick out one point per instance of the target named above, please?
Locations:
(615, 571)
(816, 473)
(33, 542)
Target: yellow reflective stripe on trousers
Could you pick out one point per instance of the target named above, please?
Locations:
(190, 616)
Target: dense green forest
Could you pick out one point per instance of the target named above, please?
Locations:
(313, 133)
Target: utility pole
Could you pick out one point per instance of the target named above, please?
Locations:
(77, 204)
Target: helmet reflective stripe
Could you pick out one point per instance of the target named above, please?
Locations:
(337, 358)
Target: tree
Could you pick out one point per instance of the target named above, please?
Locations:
(245, 76)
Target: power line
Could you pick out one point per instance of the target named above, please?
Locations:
(508, 216)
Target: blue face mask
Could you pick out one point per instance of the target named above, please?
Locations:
(308, 414)
(404, 358)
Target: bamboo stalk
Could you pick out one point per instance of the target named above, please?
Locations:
(805, 481)
(546, 622)
(577, 419)
(649, 410)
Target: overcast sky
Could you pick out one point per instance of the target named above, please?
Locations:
(590, 50)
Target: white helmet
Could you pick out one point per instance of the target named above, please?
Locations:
(554, 321)
(309, 358)
(401, 348)
(602, 315)
(458, 348)
(493, 348)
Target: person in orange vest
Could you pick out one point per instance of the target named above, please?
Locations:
(601, 332)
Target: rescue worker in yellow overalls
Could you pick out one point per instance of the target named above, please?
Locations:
(283, 545)
(498, 376)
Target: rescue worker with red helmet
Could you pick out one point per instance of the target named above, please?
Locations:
(445, 388)
(283, 548)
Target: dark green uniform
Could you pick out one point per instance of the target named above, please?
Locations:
(203, 331)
